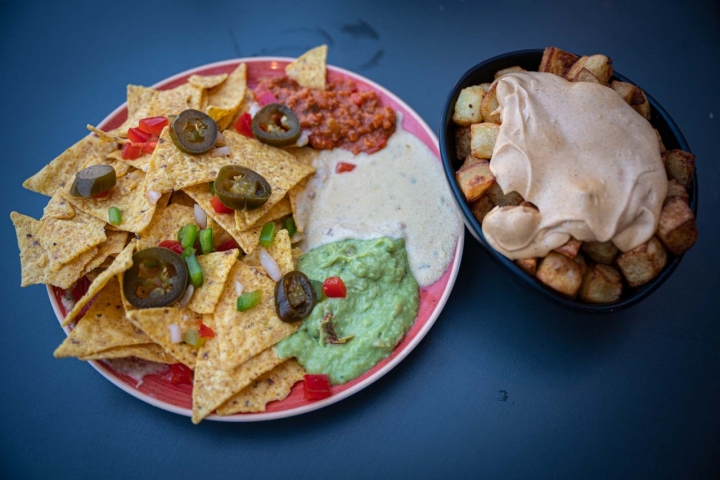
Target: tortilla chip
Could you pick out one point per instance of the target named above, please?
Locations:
(59, 208)
(212, 386)
(165, 225)
(128, 195)
(281, 251)
(122, 166)
(33, 260)
(112, 246)
(272, 386)
(293, 196)
(181, 198)
(207, 81)
(242, 335)
(104, 326)
(309, 69)
(65, 240)
(225, 100)
(155, 322)
(107, 137)
(138, 106)
(296, 254)
(121, 263)
(147, 351)
(216, 267)
(175, 100)
(60, 171)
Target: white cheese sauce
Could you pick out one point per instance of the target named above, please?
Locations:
(398, 192)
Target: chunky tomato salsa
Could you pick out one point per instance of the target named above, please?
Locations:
(340, 116)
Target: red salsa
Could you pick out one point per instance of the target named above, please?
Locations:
(341, 116)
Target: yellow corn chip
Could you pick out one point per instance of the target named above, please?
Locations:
(207, 81)
(58, 207)
(309, 69)
(147, 351)
(64, 240)
(269, 387)
(155, 323)
(60, 171)
(281, 251)
(279, 210)
(33, 260)
(296, 254)
(216, 267)
(121, 263)
(175, 100)
(181, 198)
(224, 100)
(293, 196)
(165, 225)
(105, 136)
(138, 106)
(104, 326)
(128, 195)
(212, 385)
(112, 246)
(242, 335)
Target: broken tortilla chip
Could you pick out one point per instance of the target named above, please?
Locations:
(105, 136)
(121, 263)
(207, 81)
(147, 351)
(165, 225)
(225, 100)
(242, 335)
(58, 207)
(111, 247)
(216, 267)
(269, 387)
(309, 69)
(155, 322)
(65, 240)
(175, 100)
(60, 171)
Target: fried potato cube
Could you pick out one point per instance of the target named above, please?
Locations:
(505, 71)
(528, 265)
(475, 180)
(634, 96)
(600, 252)
(680, 166)
(570, 249)
(557, 61)
(662, 145)
(643, 263)
(642, 106)
(481, 207)
(584, 75)
(462, 142)
(561, 273)
(483, 138)
(469, 161)
(675, 190)
(677, 229)
(490, 105)
(601, 284)
(486, 86)
(598, 65)
(500, 199)
(467, 107)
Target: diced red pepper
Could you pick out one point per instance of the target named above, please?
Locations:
(219, 207)
(204, 331)
(136, 135)
(180, 374)
(149, 147)
(343, 167)
(266, 98)
(173, 245)
(334, 287)
(316, 387)
(153, 125)
(131, 151)
(243, 125)
(227, 245)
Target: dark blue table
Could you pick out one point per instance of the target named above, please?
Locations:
(630, 395)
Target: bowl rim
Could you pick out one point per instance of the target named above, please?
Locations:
(448, 159)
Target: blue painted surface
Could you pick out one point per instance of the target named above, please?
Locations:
(630, 395)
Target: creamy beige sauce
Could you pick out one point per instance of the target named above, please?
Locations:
(585, 158)
(398, 192)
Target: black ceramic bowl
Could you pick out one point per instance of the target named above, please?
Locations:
(530, 60)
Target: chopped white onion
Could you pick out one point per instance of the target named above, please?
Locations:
(304, 139)
(254, 108)
(219, 140)
(239, 288)
(153, 196)
(144, 168)
(270, 265)
(200, 216)
(221, 152)
(185, 299)
(175, 333)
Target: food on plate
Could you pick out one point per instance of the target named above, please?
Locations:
(570, 180)
(236, 241)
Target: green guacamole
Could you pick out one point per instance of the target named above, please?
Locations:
(381, 305)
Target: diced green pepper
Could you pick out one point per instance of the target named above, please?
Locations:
(187, 252)
(189, 234)
(248, 300)
(114, 216)
(206, 241)
(195, 273)
(192, 337)
(289, 225)
(267, 235)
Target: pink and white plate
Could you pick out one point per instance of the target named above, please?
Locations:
(157, 390)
